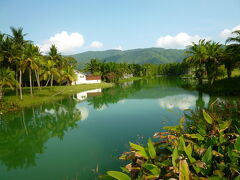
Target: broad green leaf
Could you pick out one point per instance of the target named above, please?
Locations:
(152, 168)
(188, 151)
(118, 175)
(172, 128)
(174, 156)
(207, 117)
(140, 150)
(151, 149)
(237, 144)
(136, 147)
(195, 136)
(224, 126)
(207, 157)
(184, 173)
(124, 169)
(182, 123)
(182, 143)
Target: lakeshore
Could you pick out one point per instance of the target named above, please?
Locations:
(45, 95)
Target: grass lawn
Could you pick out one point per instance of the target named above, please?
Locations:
(130, 79)
(12, 102)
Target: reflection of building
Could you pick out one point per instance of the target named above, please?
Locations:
(126, 76)
(90, 93)
(86, 78)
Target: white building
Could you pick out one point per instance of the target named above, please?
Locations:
(86, 78)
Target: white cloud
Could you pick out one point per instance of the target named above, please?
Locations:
(65, 42)
(181, 40)
(118, 48)
(96, 44)
(228, 32)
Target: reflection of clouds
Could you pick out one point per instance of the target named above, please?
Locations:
(121, 101)
(51, 111)
(183, 101)
(103, 107)
(84, 112)
(59, 111)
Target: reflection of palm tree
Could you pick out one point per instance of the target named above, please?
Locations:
(23, 140)
(200, 102)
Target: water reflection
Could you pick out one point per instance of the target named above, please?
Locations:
(183, 101)
(85, 94)
(24, 134)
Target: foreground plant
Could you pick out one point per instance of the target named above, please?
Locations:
(207, 148)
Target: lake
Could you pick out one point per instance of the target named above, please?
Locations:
(83, 135)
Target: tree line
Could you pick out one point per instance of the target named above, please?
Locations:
(113, 72)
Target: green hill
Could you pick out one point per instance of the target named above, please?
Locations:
(138, 56)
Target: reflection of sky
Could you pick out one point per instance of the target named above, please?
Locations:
(182, 102)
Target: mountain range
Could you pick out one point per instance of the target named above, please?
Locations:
(137, 56)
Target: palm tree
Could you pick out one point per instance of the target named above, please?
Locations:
(232, 52)
(236, 37)
(197, 58)
(54, 55)
(6, 79)
(230, 59)
(30, 54)
(68, 74)
(214, 56)
(19, 43)
(49, 72)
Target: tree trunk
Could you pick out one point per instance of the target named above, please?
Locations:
(229, 72)
(1, 93)
(16, 79)
(47, 82)
(37, 78)
(51, 80)
(30, 81)
(20, 83)
(24, 123)
(200, 81)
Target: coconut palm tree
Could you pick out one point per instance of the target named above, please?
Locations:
(30, 54)
(68, 75)
(235, 39)
(214, 56)
(232, 52)
(6, 79)
(18, 44)
(197, 57)
(49, 71)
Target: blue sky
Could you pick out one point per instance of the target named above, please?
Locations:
(125, 24)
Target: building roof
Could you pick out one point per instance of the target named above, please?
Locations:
(92, 77)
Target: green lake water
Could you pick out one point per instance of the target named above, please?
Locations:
(83, 135)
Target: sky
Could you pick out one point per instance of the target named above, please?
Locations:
(93, 25)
